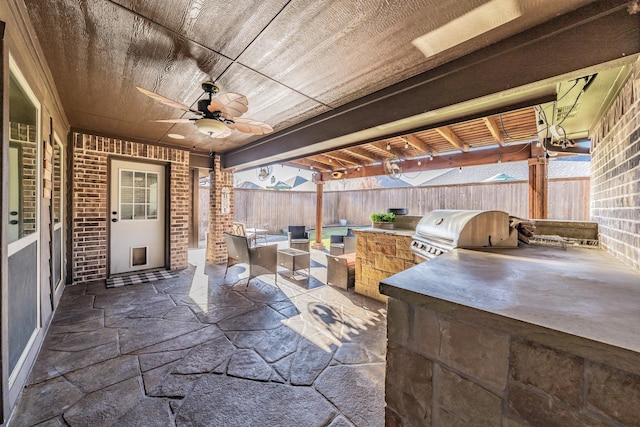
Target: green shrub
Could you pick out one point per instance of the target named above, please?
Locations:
(383, 217)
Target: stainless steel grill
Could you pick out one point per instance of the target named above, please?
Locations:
(442, 230)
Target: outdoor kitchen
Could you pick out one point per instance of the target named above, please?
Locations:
(487, 328)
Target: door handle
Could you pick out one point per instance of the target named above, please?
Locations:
(13, 222)
(13, 213)
(114, 219)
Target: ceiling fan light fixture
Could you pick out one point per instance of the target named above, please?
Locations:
(211, 127)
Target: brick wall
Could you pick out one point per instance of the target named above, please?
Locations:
(90, 198)
(615, 175)
(458, 366)
(219, 222)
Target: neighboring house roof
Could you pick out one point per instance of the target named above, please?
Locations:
(511, 171)
(307, 186)
(517, 170)
(388, 182)
(569, 168)
(250, 185)
(501, 177)
(280, 185)
(295, 181)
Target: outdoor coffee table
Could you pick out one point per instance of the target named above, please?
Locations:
(295, 259)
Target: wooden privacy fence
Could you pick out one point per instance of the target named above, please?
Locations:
(275, 210)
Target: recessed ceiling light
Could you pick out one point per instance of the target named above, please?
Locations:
(175, 136)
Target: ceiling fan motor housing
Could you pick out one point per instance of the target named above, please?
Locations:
(211, 127)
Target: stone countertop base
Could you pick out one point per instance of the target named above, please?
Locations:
(522, 336)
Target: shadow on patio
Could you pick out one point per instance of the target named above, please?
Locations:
(202, 350)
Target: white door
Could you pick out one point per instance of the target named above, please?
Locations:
(137, 237)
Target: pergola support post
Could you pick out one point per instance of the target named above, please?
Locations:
(538, 187)
(319, 193)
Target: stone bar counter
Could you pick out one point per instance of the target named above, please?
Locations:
(529, 336)
(381, 253)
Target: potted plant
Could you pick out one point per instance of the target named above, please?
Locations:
(382, 220)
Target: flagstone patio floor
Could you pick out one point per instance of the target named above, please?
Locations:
(202, 350)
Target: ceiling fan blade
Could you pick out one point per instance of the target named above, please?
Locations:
(251, 126)
(173, 121)
(166, 101)
(230, 104)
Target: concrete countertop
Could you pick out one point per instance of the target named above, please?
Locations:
(395, 231)
(583, 292)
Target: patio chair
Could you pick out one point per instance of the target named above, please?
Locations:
(298, 237)
(239, 229)
(261, 259)
(341, 270)
(340, 245)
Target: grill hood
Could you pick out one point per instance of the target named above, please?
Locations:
(447, 229)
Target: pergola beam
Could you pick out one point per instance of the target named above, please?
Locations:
(452, 138)
(511, 153)
(492, 125)
(420, 145)
(341, 157)
(362, 153)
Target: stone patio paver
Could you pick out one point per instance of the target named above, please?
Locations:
(199, 349)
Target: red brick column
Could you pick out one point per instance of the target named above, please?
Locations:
(220, 212)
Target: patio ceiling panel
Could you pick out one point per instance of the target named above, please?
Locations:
(318, 72)
(227, 27)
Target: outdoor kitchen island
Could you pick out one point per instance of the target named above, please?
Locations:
(512, 337)
(381, 253)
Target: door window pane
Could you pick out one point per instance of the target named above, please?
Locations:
(138, 195)
(23, 162)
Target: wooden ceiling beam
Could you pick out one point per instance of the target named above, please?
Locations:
(452, 138)
(341, 157)
(329, 161)
(510, 153)
(419, 144)
(363, 153)
(311, 163)
(492, 125)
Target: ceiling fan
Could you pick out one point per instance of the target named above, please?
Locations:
(392, 167)
(264, 172)
(216, 116)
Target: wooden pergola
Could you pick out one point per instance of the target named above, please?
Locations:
(505, 137)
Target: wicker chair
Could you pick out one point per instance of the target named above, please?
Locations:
(340, 245)
(239, 229)
(341, 270)
(298, 237)
(261, 259)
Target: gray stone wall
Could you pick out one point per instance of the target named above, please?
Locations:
(615, 175)
(448, 366)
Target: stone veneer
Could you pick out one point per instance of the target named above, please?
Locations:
(450, 365)
(90, 201)
(615, 175)
(381, 254)
(219, 222)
